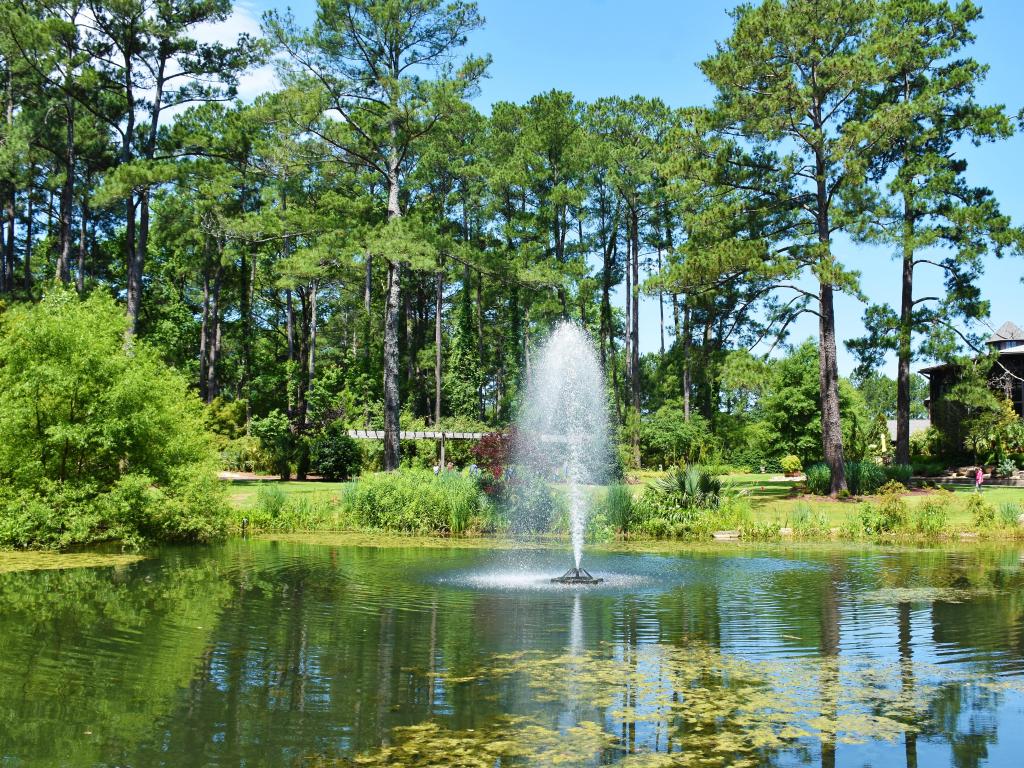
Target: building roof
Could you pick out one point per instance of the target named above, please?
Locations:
(1006, 332)
(916, 425)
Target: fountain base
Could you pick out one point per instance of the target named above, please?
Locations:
(576, 576)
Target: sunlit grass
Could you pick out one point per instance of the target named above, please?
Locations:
(242, 493)
(772, 499)
(777, 499)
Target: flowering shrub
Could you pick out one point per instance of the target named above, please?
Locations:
(493, 452)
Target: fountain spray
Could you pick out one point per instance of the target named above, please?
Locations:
(563, 427)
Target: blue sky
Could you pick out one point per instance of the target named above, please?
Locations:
(650, 47)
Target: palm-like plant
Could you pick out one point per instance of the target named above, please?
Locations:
(691, 486)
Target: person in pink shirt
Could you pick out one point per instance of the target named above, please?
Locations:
(979, 478)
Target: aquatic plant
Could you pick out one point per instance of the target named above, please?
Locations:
(617, 507)
(727, 710)
(809, 522)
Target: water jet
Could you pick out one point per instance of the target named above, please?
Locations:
(562, 430)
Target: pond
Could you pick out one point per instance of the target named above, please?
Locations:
(299, 653)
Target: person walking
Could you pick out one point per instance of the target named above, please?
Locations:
(979, 478)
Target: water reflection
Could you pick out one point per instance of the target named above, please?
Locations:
(277, 653)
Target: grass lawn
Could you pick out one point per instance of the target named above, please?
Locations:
(770, 499)
(778, 501)
(242, 493)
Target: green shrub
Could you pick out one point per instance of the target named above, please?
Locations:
(982, 513)
(901, 473)
(892, 486)
(1006, 467)
(276, 441)
(334, 455)
(888, 515)
(928, 467)
(99, 441)
(864, 477)
(245, 454)
(790, 464)
(819, 479)
(660, 514)
(667, 438)
(617, 508)
(415, 501)
(926, 443)
(656, 527)
(930, 517)
(718, 468)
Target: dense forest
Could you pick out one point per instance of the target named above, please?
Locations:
(364, 247)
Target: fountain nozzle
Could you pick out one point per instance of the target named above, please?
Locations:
(576, 576)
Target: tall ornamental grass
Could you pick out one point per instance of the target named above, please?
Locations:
(415, 501)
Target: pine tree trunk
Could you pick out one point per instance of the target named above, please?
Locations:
(828, 366)
(661, 307)
(607, 273)
(634, 343)
(392, 450)
(67, 193)
(313, 322)
(82, 242)
(133, 289)
(392, 398)
(903, 352)
(408, 344)
(367, 314)
(480, 341)
(687, 347)
(438, 309)
(204, 329)
(831, 428)
(9, 202)
(213, 343)
(29, 222)
(629, 308)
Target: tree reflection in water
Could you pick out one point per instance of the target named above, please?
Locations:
(273, 653)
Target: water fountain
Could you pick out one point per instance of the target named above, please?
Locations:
(563, 429)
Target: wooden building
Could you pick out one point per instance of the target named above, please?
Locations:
(1005, 378)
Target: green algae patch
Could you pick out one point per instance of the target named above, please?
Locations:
(706, 707)
(11, 562)
(507, 741)
(897, 595)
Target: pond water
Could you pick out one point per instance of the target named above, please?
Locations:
(292, 653)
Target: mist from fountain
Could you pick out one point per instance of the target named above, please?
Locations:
(563, 422)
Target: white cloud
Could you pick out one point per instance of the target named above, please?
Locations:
(244, 19)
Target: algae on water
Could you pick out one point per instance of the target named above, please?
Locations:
(692, 704)
(11, 562)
